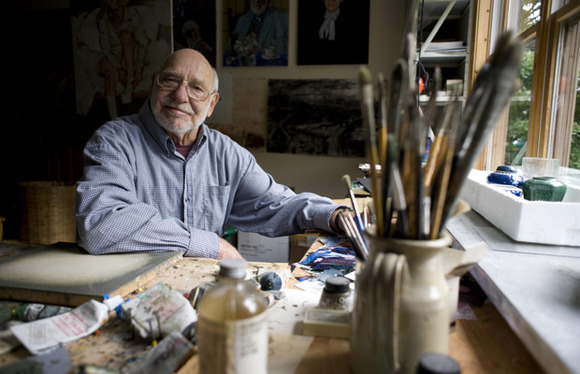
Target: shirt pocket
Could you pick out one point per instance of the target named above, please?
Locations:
(215, 204)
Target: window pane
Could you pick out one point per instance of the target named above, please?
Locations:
(566, 122)
(530, 13)
(519, 110)
(575, 146)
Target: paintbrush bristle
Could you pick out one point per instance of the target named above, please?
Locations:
(347, 182)
(364, 76)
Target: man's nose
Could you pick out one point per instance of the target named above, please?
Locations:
(180, 93)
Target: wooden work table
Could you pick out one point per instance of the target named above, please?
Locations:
(482, 345)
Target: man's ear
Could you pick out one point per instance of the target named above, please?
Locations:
(215, 97)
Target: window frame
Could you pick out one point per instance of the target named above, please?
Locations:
(540, 140)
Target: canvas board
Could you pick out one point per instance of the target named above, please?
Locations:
(65, 274)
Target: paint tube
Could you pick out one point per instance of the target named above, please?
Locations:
(34, 311)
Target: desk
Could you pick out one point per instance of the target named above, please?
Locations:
(485, 345)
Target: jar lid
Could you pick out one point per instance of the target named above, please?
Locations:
(337, 284)
(233, 268)
(437, 363)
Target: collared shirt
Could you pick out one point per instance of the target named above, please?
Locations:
(139, 194)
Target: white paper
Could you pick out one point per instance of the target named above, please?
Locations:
(46, 334)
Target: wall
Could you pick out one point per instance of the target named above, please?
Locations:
(42, 138)
(312, 173)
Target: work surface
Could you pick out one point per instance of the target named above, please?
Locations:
(482, 343)
(535, 287)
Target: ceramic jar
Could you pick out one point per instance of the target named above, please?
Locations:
(507, 175)
(544, 189)
(401, 308)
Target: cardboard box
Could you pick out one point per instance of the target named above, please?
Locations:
(299, 244)
(259, 248)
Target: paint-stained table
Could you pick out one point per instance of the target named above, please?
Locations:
(484, 344)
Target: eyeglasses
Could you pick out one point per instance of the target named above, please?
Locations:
(171, 82)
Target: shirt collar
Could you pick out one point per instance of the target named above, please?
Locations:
(261, 17)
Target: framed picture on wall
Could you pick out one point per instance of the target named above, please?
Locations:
(255, 33)
(118, 46)
(333, 32)
(194, 26)
(315, 117)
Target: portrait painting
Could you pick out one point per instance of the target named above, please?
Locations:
(315, 117)
(333, 32)
(118, 46)
(194, 26)
(255, 33)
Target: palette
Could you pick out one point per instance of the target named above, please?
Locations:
(65, 274)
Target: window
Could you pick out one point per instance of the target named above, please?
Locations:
(543, 118)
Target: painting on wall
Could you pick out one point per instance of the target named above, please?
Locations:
(118, 46)
(333, 32)
(315, 117)
(194, 26)
(255, 33)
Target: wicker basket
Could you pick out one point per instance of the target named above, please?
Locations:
(47, 212)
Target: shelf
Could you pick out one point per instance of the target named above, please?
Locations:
(444, 37)
(439, 100)
(449, 57)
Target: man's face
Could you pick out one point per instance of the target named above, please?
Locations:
(115, 11)
(259, 6)
(175, 111)
(332, 5)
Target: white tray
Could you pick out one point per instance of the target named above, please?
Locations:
(556, 223)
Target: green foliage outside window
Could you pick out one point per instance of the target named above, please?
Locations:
(575, 146)
(519, 113)
(519, 118)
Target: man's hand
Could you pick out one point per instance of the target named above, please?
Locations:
(227, 250)
(335, 223)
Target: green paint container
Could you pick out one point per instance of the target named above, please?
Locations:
(544, 189)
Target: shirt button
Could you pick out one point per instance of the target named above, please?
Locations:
(187, 200)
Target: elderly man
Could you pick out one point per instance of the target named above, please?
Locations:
(162, 180)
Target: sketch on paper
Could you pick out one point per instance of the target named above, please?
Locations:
(315, 117)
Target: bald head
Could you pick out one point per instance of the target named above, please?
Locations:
(180, 108)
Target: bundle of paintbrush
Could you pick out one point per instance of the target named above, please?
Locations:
(413, 198)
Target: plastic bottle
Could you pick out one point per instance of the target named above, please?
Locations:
(232, 325)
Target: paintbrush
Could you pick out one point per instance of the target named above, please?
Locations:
(397, 91)
(355, 237)
(495, 89)
(431, 110)
(348, 184)
(368, 116)
(399, 203)
(382, 137)
(438, 187)
(397, 94)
